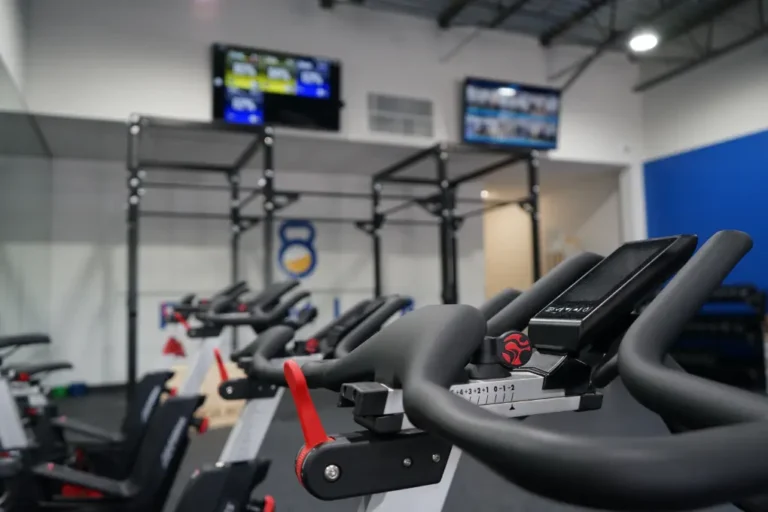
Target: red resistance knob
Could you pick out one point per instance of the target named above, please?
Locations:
(311, 427)
(514, 349)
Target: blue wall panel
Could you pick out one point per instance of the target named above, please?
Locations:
(723, 186)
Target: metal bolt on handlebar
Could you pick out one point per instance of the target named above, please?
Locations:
(268, 141)
(332, 472)
(444, 184)
(435, 458)
(407, 462)
(135, 130)
(269, 173)
(142, 174)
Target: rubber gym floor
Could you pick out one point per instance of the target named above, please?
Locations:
(474, 487)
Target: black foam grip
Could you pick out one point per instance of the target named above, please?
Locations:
(516, 315)
(246, 351)
(272, 293)
(496, 303)
(235, 289)
(668, 392)
(22, 340)
(370, 325)
(386, 355)
(270, 343)
(345, 317)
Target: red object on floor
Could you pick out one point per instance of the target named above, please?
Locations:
(173, 347)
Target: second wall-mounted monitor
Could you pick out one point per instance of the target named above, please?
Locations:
(504, 114)
(258, 87)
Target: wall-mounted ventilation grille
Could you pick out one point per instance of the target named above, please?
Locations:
(396, 114)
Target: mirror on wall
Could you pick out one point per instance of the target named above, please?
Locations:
(26, 219)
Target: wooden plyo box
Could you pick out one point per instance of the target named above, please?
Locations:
(220, 413)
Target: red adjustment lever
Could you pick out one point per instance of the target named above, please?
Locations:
(269, 504)
(180, 318)
(220, 363)
(22, 377)
(201, 424)
(311, 427)
(173, 347)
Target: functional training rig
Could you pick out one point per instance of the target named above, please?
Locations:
(442, 203)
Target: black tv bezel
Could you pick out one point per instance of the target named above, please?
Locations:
(501, 83)
(218, 67)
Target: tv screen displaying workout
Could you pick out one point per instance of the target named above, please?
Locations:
(257, 87)
(505, 114)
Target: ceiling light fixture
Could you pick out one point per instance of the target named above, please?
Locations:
(643, 41)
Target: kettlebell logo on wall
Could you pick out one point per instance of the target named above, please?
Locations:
(297, 256)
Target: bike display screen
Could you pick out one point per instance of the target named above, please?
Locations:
(599, 282)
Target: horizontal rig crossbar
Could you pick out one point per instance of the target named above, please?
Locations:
(194, 186)
(387, 173)
(194, 215)
(490, 168)
(184, 166)
(257, 219)
(176, 124)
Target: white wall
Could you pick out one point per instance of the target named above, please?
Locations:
(587, 212)
(68, 275)
(153, 57)
(721, 100)
(12, 35)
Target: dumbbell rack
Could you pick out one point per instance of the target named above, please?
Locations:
(725, 342)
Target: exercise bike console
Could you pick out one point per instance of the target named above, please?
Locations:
(577, 317)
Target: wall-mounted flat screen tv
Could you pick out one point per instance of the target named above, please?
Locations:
(511, 115)
(265, 87)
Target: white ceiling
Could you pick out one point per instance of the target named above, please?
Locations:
(94, 139)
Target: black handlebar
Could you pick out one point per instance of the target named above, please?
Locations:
(681, 472)
(695, 401)
(515, 316)
(257, 319)
(270, 296)
(498, 302)
(317, 373)
(370, 325)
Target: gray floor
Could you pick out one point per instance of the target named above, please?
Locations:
(474, 487)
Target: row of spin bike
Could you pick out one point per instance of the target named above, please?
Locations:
(425, 388)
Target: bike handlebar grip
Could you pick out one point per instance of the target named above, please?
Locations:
(246, 351)
(516, 315)
(352, 312)
(386, 355)
(235, 289)
(370, 325)
(496, 303)
(272, 293)
(281, 311)
(696, 401)
(269, 344)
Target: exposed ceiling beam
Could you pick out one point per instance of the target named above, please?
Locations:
(451, 10)
(614, 38)
(577, 17)
(506, 13)
(714, 54)
(700, 18)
